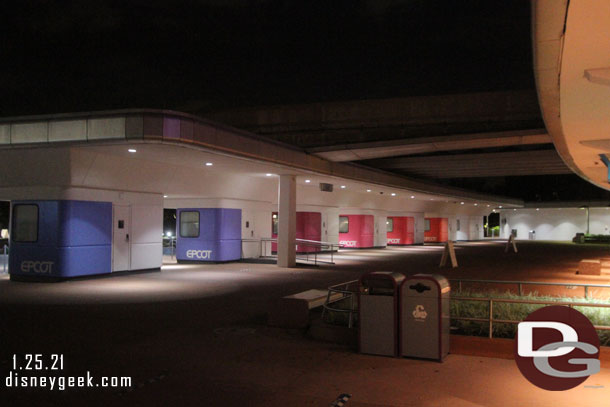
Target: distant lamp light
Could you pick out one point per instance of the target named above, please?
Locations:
(343, 187)
(307, 181)
(209, 164)
(500, 206)
(412, 196)
(268, 175)
(461, 203)
(164, 196)
(132, 150)
(393, 194)
(537, 209)
(368, 190)
(169, 234)
(476, 204)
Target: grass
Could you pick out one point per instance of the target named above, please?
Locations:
(516, 312)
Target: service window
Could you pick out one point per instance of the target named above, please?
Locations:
(390, 225)
(343, 224)
(189, 224)
(25, 223)
(426, 225)
(274, 223)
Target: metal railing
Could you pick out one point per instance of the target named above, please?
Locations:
(5, 259)
(520, 284)
(348, 291)
(490, 319)
(320, 247)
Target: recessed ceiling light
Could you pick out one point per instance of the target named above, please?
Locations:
(537, 209)
(514, 210)
(412, 196)
(393, 194)
(209, 164)
(268, 175)
(343, 187)
(132, 150)
(164, 196)
(307, 181)
(488, 206)
(368, 190)
(461, 203)
(500, 206)
(476, 204)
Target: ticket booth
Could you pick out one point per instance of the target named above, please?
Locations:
(357, 231)
(309, 227)
(436, 230)
(400, 230)
(208, 235)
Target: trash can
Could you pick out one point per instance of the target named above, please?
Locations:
(425, 318)
(378, 302)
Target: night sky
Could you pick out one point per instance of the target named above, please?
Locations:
(77, 56)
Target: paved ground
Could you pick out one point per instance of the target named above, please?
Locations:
(195, 335)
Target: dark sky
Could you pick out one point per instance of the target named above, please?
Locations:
(76, 56)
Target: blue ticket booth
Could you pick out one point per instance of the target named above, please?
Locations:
(55, 239)
(208, 235)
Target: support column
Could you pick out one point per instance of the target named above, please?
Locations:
(287, 221)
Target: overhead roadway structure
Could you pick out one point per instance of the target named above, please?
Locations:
(571, 42)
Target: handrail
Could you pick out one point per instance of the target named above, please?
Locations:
(302, 242)
(5, 259)
(345, 294)
(520, 284)
(490, 300)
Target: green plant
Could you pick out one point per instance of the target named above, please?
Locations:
(515, 312)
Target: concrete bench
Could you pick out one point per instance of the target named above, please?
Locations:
(292, 311)
(590, 267)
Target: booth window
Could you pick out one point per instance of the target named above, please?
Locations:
(390, 223)
(189, 224)
(25, 223)
(274, 223)
(343, 224)
(426, 225)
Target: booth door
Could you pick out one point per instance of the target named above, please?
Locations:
(121, 219)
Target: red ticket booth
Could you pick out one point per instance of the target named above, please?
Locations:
(357, 231)
(401, 230)
(436, 230)
(309, 227)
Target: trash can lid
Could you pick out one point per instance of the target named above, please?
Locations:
(441, 282)
(395, 277)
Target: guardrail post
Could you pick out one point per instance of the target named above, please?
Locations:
(520, 289)
(491, 318)
(587, 292)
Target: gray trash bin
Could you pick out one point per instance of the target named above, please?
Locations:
(425, 318)
(378, 302)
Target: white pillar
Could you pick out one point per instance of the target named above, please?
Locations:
(287, 221)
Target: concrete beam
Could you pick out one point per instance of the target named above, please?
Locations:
(394, 148)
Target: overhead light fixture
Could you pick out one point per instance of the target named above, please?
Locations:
(307, 181)
(209, 164)
(461, 203)
(537, 209)
(514, 210)
(500, 206)
(343, 187)
(368, 190)
(412, 196)
(488, 206)
(476, 204)
(164, 196)
(393, 194)
(268, 175)
(132, 150)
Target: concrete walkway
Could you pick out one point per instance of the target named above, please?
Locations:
(196, 336)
